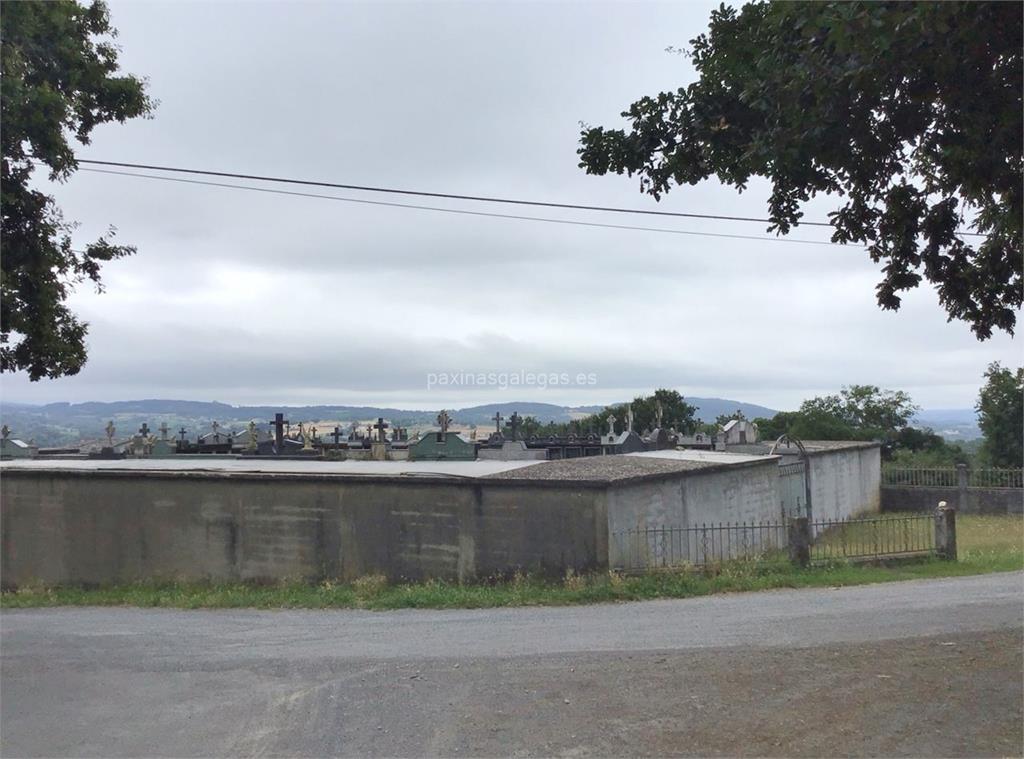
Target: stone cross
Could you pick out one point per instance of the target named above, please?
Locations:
(182, 432)
(513, 422)
(497, 421)
(611, 424)
(443, 420)
(164, 429)
(369, 431)
(278, 424)
(216, 435)
(144, 430)
(380, 426)
(336, 435)
(110, 430)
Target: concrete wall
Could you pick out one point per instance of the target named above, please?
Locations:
(975, 500)
(101, 527)
(845, 482)
(737, 493)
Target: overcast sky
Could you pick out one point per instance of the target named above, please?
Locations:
(245, 297)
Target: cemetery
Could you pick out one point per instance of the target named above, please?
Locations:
(268, 505)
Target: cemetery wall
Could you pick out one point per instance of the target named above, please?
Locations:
(736, 493)
(965, 501)
(102, 527)
(845, 481)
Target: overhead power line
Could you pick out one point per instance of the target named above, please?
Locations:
(454, 196)
(448, 195)
(466, 212)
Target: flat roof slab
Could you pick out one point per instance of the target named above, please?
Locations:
(710, 457)
(631, 466)
(256, 465)
(595, 470)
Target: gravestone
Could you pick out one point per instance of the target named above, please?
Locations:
(379, 445)
(108, 451)
(163, 447)
(12, 448)
(513, 423)
(278, 423)
(448, 446)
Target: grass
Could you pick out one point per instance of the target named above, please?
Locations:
(986, 544)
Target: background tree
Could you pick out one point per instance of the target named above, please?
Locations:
(1001, 416)
(909, 112)
(724, 419)
(913, 447)
(857, 412)
(675, 412)
(59, 81)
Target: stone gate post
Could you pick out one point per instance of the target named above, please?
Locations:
(800, 541)
(945, 531)
(961, 484)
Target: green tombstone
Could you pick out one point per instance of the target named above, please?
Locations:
(442, 445)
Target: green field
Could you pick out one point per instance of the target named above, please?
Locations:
(986, 544)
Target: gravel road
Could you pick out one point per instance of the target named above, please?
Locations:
(918, 668)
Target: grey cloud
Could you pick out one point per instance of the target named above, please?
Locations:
(248, 297)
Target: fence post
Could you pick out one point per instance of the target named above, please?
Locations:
(945, 532)
(961, 484)
(800, 541)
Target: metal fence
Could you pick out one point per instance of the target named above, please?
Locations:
(995, 478)
(903, 535)
(874, 537)
(949, 477)
(658, 547)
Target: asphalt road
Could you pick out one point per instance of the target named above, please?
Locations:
(915, 668)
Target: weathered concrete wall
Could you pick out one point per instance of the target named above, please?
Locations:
(845, 482)
(739, 493)
(101, 527)
(975, 501)
(744, 492)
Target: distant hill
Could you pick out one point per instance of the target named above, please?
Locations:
(56, 424)
(954, 424)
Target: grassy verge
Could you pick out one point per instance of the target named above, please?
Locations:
(987, 544)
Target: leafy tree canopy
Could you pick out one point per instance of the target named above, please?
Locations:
(1001, 416)
(910, 113)
(675, 412)
(913, 447)
(857, 412)
(724, 419)
(60, 80)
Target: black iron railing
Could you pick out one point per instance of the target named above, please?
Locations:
(873, 537)
(949, 477)
(902, 535)
(658, 547)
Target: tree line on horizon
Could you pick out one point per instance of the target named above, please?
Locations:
(857, 412)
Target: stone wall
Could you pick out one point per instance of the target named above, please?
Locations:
(845, 482)
(738, 493)
(101, 527)
(970, 501)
